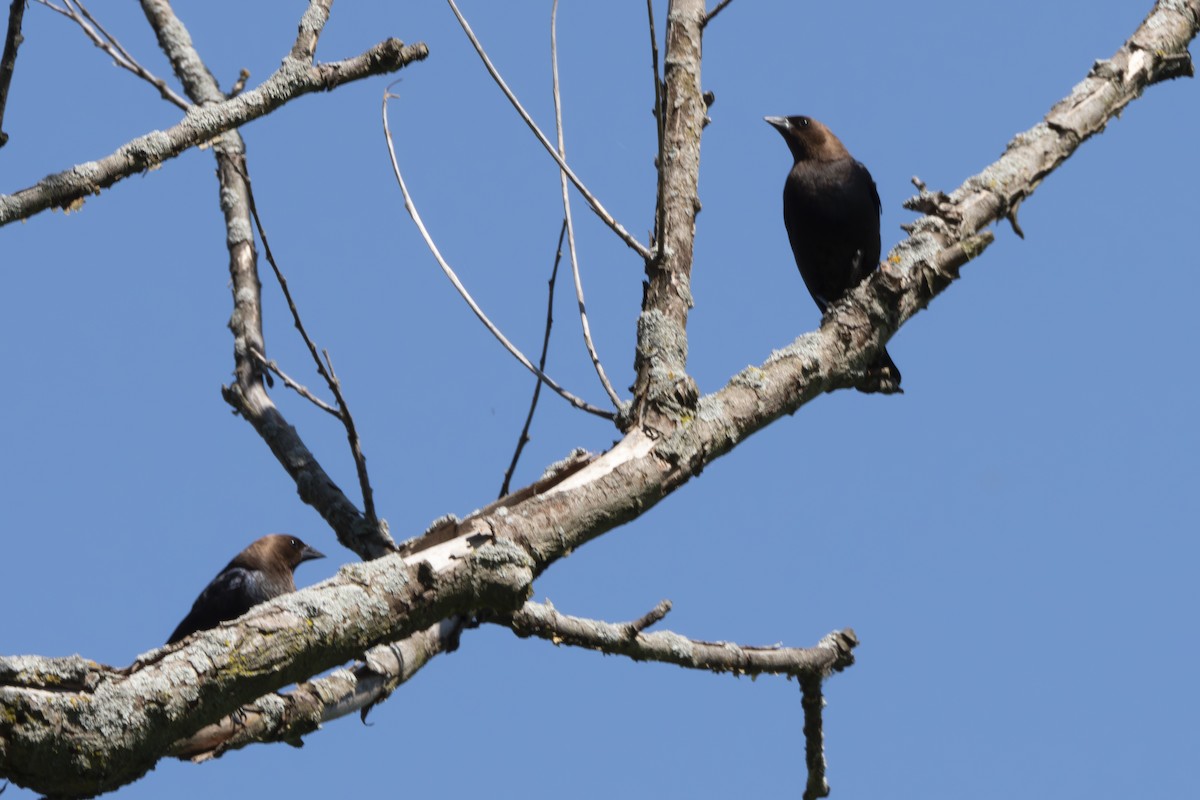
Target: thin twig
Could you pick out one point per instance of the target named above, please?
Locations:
(566, 199)
(298, 388)
(523, 439)
(411, 207)
(79, 14)
(360, 460)
(710, 15)
(660, 208)
(601, 212)
(325, 369)
(8, 63)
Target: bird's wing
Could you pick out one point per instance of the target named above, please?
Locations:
(232, 593)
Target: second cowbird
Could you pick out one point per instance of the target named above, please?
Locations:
(259, 573)
(831, 211)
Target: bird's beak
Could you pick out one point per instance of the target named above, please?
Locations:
(780, 123)
(309, 553)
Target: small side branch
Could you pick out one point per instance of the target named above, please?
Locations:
(294, 385)
(810, 666)
(523, 439)
(601, 212)
(411, 207)
(311, 25)
(78, 13)
(813, 702)
(324, 369)
(8, 61)
(832, 654)
(717, 10)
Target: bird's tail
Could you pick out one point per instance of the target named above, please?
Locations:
(883, 376)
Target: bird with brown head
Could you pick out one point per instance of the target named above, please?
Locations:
(831, 212)
(261, 572)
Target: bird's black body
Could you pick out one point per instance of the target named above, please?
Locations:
(259, 573)
(831, 212)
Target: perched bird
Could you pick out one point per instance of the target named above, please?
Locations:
(831, 212)
(259, 573)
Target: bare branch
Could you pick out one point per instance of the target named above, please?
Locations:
(294, 385)
(832, 654)
(8, 61)
(276, 643)
(365, 535)
(360, 461)
(77, 12)
(717, 10)
(56, 714)
(601, 212)
(654, 615)
(566, 199)
(290, 81)
(411, 207)
(659, 207)
(288, 716)
(523, 439)
(324, 369)
(663, 391)
(311, 25)
(813, 702)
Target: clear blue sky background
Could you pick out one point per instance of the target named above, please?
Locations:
(1014, 539)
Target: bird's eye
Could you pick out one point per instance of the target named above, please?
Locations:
(295, 543)
(804, 122)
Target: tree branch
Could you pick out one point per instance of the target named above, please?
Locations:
(832, 654)
(600, 210)
(566, 201)
(411, 207)
(107, 727)
(288, 716)
(200, 125)
(523, 439)
(366, 535)
(8, 61)
(70, 726)
(78, 13)
(813, 702)
(663, 391)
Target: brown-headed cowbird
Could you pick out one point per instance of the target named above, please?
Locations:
(831, 212)
(260, 572)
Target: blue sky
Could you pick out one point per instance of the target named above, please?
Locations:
(1010, 538)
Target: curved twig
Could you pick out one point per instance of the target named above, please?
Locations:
(566, 199)
(601, 212)
(462, 290)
